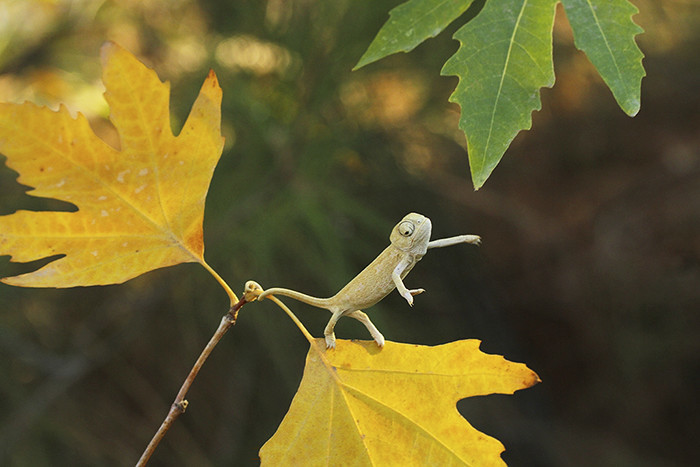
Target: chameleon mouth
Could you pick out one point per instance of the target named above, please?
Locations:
(424, 229)
(427, 228)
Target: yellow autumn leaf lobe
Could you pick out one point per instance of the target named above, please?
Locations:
(359, 405)
(139, 208)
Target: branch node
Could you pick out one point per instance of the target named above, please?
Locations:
(252, 291)
(181, 406)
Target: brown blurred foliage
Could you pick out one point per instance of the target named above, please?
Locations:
(589, 271)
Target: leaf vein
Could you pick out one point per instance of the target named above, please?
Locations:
(373, 401)
(503, 75)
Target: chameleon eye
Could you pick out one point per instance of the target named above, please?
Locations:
(406, 228)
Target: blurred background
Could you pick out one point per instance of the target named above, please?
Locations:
(589, 271)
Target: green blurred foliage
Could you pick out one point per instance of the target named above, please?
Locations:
(588, 271)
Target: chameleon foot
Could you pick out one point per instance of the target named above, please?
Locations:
(330, 341)
(364, 319)
(408, 294)
(379, 339)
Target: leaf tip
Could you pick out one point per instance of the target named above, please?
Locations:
(479, 177)
(212, 77)
(532, 380)
(107, 50)
(364, 60)
(107, 45)
(634, 105)
(14, 281)
(633, 111)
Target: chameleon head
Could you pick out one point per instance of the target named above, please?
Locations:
(412, 234)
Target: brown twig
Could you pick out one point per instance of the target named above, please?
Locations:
(179, 406)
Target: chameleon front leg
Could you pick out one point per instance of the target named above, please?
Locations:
(364, 319)
(473, 239)
(396, 277)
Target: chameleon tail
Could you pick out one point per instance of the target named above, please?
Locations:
(313, 301)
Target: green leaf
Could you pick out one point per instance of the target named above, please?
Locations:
(505, 57)
(410, 24)
(604, 30)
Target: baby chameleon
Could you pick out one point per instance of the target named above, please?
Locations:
(410, 240)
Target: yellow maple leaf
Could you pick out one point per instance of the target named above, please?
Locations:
(359, 405)
(139, 208)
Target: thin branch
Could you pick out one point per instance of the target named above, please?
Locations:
(179, 406)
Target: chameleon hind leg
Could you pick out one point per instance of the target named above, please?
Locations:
(364, 319)
(328, 332)
(358, 315)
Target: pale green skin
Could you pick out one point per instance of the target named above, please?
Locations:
(410, 240)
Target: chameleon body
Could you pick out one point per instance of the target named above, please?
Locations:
(410, 240)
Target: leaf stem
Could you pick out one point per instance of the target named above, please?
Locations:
(312, 340)
(253, 291)
(179, 405)
(294, 318)
(231, 295)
